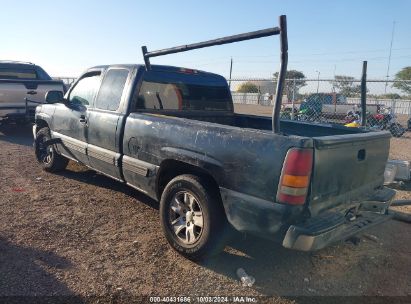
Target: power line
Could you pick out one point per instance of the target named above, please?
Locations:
(328, 60)
(327, 53)
(389, 57)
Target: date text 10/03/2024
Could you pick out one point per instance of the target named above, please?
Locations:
(203, 299)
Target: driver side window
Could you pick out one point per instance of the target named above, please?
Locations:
(85, 90)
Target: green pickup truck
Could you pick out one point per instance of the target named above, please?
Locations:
(172, 134)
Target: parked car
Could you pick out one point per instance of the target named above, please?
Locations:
(172, 134)
(20, 81)
(318, 107)
(326, 105)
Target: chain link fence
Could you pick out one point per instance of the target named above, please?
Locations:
(325, 100)
(329, 101)
(68, 81)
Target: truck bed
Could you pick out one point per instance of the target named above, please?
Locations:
(348, 165)
(263, 123)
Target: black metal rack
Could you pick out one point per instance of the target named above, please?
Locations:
(281, 30)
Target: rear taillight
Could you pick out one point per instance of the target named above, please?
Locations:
(295, 176)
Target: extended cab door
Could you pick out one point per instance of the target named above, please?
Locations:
(70, 121)
(105, 121)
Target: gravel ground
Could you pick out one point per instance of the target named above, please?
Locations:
(80, 233)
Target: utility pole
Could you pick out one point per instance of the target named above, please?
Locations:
(292, 105)
(231, 71)
(318, 80)
(364, 94)
(389, 56)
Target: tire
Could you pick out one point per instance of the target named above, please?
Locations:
(285, 115)
(47, 156)
(193, 236)
(397, 130)
(302, 117)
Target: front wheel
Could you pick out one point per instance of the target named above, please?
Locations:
(46, 154)
(192, 217)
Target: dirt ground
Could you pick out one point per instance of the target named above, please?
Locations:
(81, 233)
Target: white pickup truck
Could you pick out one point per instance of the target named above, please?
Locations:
(23, 86)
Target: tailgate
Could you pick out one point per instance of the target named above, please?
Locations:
(39, 93)
(347, 169)
(14, 92)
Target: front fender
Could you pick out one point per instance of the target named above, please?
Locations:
(45, 113)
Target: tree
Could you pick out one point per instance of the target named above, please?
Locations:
(390, 96)
(247, 87)
(345, 86)
(292, 87)
(404, 74)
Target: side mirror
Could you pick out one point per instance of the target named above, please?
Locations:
(54, 96)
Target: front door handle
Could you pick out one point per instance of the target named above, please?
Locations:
(83, 119)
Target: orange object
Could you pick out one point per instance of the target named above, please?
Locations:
(295, 181)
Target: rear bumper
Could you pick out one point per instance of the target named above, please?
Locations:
(331, 227)
(16, 112)
(257, 216)
(270, 220)
(11, 112)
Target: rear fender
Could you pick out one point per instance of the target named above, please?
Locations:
(211, 165)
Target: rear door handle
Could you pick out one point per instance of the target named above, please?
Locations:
(32, 92)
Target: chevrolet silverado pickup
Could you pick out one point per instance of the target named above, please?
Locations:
(22, 87)
(172, 134)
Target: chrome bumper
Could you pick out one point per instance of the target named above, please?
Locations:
(34, 131)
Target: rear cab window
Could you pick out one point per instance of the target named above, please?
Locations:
(18, 73)
(180, 91)
(22, 71)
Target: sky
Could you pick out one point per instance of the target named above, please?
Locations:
(326, 37)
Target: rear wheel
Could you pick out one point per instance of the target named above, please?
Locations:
(46, 155)
(397, 130)
(192, 217)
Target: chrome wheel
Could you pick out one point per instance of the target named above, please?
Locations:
(45, 153)
(186, 217)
